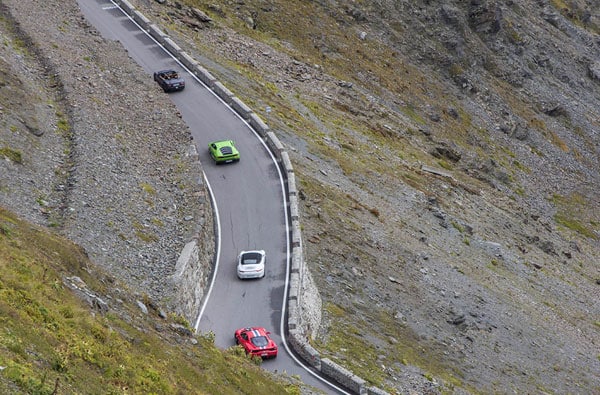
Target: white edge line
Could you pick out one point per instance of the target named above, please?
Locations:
(287, 233)
(217, 255)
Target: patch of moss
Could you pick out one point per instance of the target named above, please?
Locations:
(412, 113)
(456, 70)
(521, 166)
(146, 236)
(445, 164)
(458, 226)
(149, 189)
(158, 222)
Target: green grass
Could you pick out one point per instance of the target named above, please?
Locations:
(63, 123)
(574, 11)
(358, 356)
(573, 213)
(52, 342)
(575, 225)
(14, 155)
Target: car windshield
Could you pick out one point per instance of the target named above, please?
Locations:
(260, 341)
(251, 258)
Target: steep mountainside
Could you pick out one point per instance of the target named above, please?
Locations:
(448, 155)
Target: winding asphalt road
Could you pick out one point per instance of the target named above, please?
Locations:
(248, 197)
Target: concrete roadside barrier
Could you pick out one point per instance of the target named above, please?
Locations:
(188, 267)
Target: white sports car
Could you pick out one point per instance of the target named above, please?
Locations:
(251, 264)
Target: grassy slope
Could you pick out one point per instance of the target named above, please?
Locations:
(50, 338)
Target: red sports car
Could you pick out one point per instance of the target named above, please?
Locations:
(256, 341)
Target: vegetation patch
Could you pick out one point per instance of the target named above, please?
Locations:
(12, 154)
(345, 346)
(352, 345)
(142, 232)
(572, 213)
(577, 14)
(149, 189)
(63, 123)
(52, 343)
(560, 143)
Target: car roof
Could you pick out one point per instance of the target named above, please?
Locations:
(220, 143)
(255, 331)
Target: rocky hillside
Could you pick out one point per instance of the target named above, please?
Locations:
(82, 152)
(447, 155)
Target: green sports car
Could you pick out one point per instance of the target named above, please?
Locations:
(223, 151)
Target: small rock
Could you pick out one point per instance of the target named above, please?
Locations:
(142, 307)
(457, 318)
(425, 131)
(594, 71)
(453, 113)
(77, 282)
(200, 15)
(99, 304)
(556, 110)
(182, 330)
